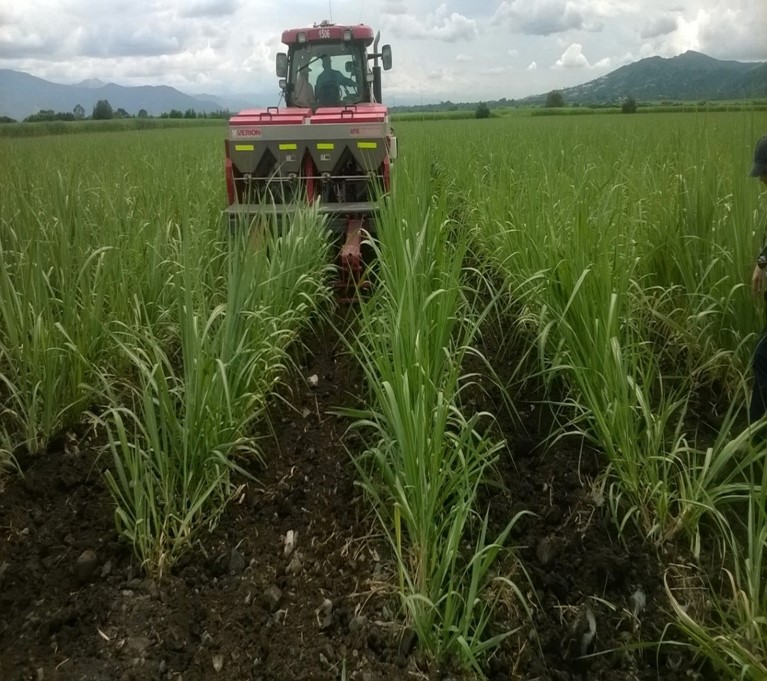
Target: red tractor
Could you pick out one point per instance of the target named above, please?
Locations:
(330, 145)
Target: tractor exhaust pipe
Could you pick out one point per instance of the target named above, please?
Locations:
(376, 70)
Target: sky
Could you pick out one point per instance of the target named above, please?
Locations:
(457, 50)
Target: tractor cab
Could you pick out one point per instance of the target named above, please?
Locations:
(327, 66)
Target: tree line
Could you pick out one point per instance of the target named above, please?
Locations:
(103, 111)
(554, 100)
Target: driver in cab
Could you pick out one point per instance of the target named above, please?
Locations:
(329, 82)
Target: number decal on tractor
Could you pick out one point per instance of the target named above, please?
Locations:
(324, 33)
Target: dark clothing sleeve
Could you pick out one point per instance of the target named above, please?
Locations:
(761, 262)
(336, 78)
(762, 258)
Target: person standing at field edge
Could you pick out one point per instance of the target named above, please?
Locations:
(758, 406)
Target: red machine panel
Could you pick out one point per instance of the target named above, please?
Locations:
(328, 32)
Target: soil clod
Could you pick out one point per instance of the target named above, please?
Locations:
(86, 566)
(407, 642)
(236, 562)
(272, 597)
(357, 624)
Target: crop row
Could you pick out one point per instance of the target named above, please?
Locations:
(130, 300)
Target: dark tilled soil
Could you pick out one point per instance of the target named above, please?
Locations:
(239, 606)
(592, 594)
(597, 605)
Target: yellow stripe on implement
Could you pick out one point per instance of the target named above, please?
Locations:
(367, 145)
(325, 145)
(243, 147)
(288, 147)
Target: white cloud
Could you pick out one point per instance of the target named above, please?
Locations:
(734, 32)
(724, 32)
(8, 14)
(513, 53)
(394, 7)
(532, 66)
(495, 71)
(17, 44)
(685, 37)
(538, 17)
(123, 43)
(455, 27)
(442, 25)
(658, 26)
(210, 8)
(573, 58)
(464, 57)
(403, 27)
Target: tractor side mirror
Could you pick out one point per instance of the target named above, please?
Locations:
(348, 67)
(386, 57)
(282, 65)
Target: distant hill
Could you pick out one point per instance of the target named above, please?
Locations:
(691, 76)
(22, 95)
(91, 83)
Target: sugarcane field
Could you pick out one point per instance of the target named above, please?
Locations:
(492, 425)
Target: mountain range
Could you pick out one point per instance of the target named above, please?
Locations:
(691, 76)
(22, 95)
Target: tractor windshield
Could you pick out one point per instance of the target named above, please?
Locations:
(327, 74)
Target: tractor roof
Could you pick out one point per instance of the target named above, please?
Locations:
(328, 31)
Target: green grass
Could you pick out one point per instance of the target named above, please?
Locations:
(79, 238)
(623, 247)
(45, 128)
